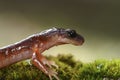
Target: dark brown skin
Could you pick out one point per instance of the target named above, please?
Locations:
(33, 46)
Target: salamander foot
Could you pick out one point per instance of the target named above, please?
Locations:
(46, 66)
(49, 63)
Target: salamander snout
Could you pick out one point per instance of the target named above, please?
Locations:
(74, 37)
(71, 37)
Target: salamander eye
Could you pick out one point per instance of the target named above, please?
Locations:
(72, 33)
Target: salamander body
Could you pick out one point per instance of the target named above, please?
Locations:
(34, 45)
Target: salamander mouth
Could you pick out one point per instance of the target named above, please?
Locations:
(77, 41)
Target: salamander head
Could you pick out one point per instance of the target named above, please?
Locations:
(64, 36)
(71, 37)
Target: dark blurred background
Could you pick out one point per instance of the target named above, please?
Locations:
(97, 20)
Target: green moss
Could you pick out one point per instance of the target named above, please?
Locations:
(69, 69)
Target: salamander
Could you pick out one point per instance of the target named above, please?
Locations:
(33, 46)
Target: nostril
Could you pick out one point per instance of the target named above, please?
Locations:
(82, 40)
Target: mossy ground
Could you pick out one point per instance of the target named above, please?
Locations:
(69, 69)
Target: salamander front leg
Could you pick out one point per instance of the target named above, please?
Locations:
(43, 64)
(48, 63)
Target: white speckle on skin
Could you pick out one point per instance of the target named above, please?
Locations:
(33, 56)
(19, 48)
(13, 50)
(41, 44)
(36, 45)
(6, 52)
